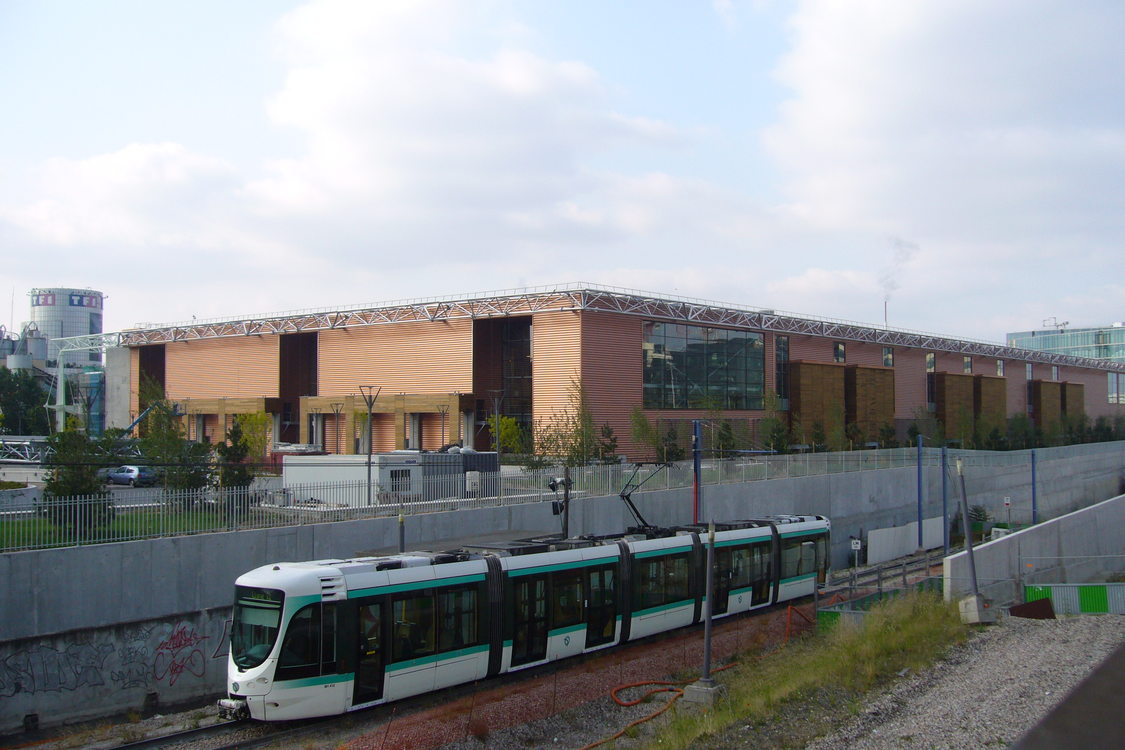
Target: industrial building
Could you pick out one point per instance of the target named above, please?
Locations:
(434, 370)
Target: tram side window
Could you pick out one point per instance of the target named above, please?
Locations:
(413, 625)
(300, 651)
(566, 603)
(328, 639)
(740, 568)
(800, 555)
(459, 618)
(661, 580)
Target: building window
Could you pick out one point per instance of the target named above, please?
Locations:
(966, 364)
(838, 352)
(1054, 372)
(694, 367)
(888, 356)
(781, 369)
(1112, 383)
(1000, 368)
(931, 362)
(1030, 389)
(1028, 370)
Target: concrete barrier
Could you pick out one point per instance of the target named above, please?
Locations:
(1086, 545)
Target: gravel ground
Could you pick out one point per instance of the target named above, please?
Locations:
(986, 693)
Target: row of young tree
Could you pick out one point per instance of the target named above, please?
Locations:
(74, 490)
(573, 438)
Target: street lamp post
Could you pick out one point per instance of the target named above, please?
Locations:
(337, 408)
(370, 393)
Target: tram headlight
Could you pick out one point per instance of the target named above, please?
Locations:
(234, 687)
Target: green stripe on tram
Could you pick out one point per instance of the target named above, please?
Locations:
(562, 566)
(664, 607)
(435, 659)
(310, 681)
(661, 552)
(415, 585)
(810, 532)
(567, 629)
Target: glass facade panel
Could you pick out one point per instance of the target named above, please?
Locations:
(888, 356)
(838, 354)
(1112, 383)
(695, 367)
(1000, 367)
(967, 364)
(1096, 343)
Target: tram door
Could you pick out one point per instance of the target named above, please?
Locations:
(529, 637)
(722, 580)
(372, 654)
(601, 613)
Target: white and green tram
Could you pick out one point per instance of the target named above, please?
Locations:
(329, 636)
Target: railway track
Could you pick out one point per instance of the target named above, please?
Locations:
(241, 734)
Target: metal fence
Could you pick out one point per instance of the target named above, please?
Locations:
(130, 514)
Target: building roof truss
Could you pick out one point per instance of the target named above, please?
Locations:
(575, 298)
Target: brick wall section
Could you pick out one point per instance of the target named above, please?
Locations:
(954, 400)
(612, 373)
(910, 383)
(222, 368)
(869, 398)
(816, 395)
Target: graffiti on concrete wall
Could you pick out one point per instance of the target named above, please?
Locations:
(113, 669)
(133, 659)
(42, 668)
(180, 652)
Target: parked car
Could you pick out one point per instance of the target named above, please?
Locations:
(134, 476)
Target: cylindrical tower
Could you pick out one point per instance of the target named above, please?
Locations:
(61, 313)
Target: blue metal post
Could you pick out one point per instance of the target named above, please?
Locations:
(944, 501)
(1034, 492)
(920, 440)
(697, 466)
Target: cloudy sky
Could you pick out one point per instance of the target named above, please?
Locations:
(959, 164)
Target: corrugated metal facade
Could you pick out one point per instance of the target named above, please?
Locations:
(556, 361)
(402, 358)
(222, 368)
(612, 371)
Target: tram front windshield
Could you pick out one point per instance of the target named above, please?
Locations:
(257, 618)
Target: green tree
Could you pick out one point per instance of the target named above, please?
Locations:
(233, 469)
(644, 432)
(21, 404)
(670, 447)
(73, 495)
(256, 431)
(888, 437)
(185, 465)
(773, 430)
(510, 437)
(607, 446)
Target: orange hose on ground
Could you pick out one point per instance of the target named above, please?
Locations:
(669, 687)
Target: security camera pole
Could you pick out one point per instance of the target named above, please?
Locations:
(566, 502)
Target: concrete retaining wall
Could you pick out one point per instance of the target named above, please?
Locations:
(1086, 545)
(131, 667)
